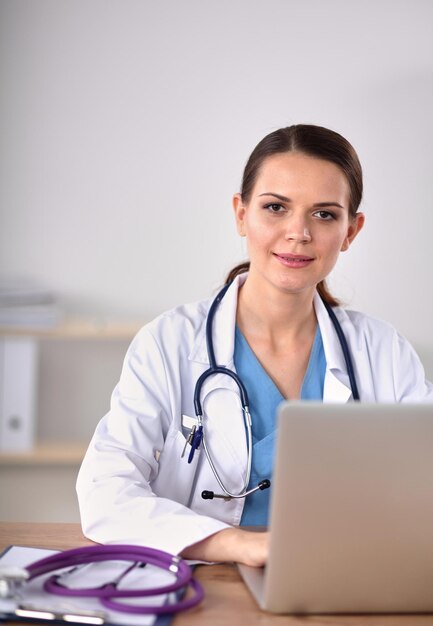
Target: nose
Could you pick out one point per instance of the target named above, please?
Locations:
(298, 231)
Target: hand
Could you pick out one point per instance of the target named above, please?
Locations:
(231, 544)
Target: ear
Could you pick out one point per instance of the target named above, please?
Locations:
(239, 209)
(355, 226)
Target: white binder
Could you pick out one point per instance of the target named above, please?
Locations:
(18, 372)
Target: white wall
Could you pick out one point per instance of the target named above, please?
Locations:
(125, 125)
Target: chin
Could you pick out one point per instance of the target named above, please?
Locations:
(295, 287)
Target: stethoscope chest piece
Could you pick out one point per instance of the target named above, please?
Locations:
(12, 579)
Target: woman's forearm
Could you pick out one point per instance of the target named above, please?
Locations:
(231, 544)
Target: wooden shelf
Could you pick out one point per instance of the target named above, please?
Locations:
(77, 329)
(46, 453)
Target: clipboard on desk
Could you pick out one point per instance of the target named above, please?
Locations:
(36, 606)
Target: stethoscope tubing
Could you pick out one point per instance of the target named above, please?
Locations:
(106, 593)
(97, 554)
(220, 369)
(183, 605)
(212, 371)
(244, 492)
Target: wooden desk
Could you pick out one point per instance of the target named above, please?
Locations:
(227, 601)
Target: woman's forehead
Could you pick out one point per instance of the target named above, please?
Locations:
(297, 173)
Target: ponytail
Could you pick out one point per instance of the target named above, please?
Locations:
(322, 287)
(326, 295)
(239, 269)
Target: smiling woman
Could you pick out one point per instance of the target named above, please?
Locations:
(297, 217)
(332, 154)
(177, 463)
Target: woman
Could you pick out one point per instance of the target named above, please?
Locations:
(297, 209)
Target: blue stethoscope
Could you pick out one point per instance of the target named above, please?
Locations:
(197, 435)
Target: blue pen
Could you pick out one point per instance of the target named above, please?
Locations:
(196, 441)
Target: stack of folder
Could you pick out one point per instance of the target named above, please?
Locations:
(24, 303)
(25, 307)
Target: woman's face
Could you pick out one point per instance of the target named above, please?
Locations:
(296, 221)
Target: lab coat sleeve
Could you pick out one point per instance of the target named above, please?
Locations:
(408, 373)
(114, 486)
(387, 367)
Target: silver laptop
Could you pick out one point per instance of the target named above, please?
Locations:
(351, 519)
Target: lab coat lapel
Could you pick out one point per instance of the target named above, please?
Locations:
(223, 329)
(337, 384)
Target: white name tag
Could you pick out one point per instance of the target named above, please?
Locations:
(189, 422)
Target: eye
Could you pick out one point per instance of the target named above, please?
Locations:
(274, 207)
(325, 216)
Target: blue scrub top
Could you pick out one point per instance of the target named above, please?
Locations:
(264, 398)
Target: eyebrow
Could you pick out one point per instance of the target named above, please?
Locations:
(285, 199)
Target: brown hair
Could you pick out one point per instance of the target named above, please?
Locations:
(314, 141)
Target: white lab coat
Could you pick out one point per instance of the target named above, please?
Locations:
(134, 487)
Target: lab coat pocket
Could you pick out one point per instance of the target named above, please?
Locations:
(176, 477)
(188, 424)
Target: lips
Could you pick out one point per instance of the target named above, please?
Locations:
(295, 257)
(294, 260)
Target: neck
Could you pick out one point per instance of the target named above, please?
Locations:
(274, 314)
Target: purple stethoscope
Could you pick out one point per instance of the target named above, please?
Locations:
(109, 594)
